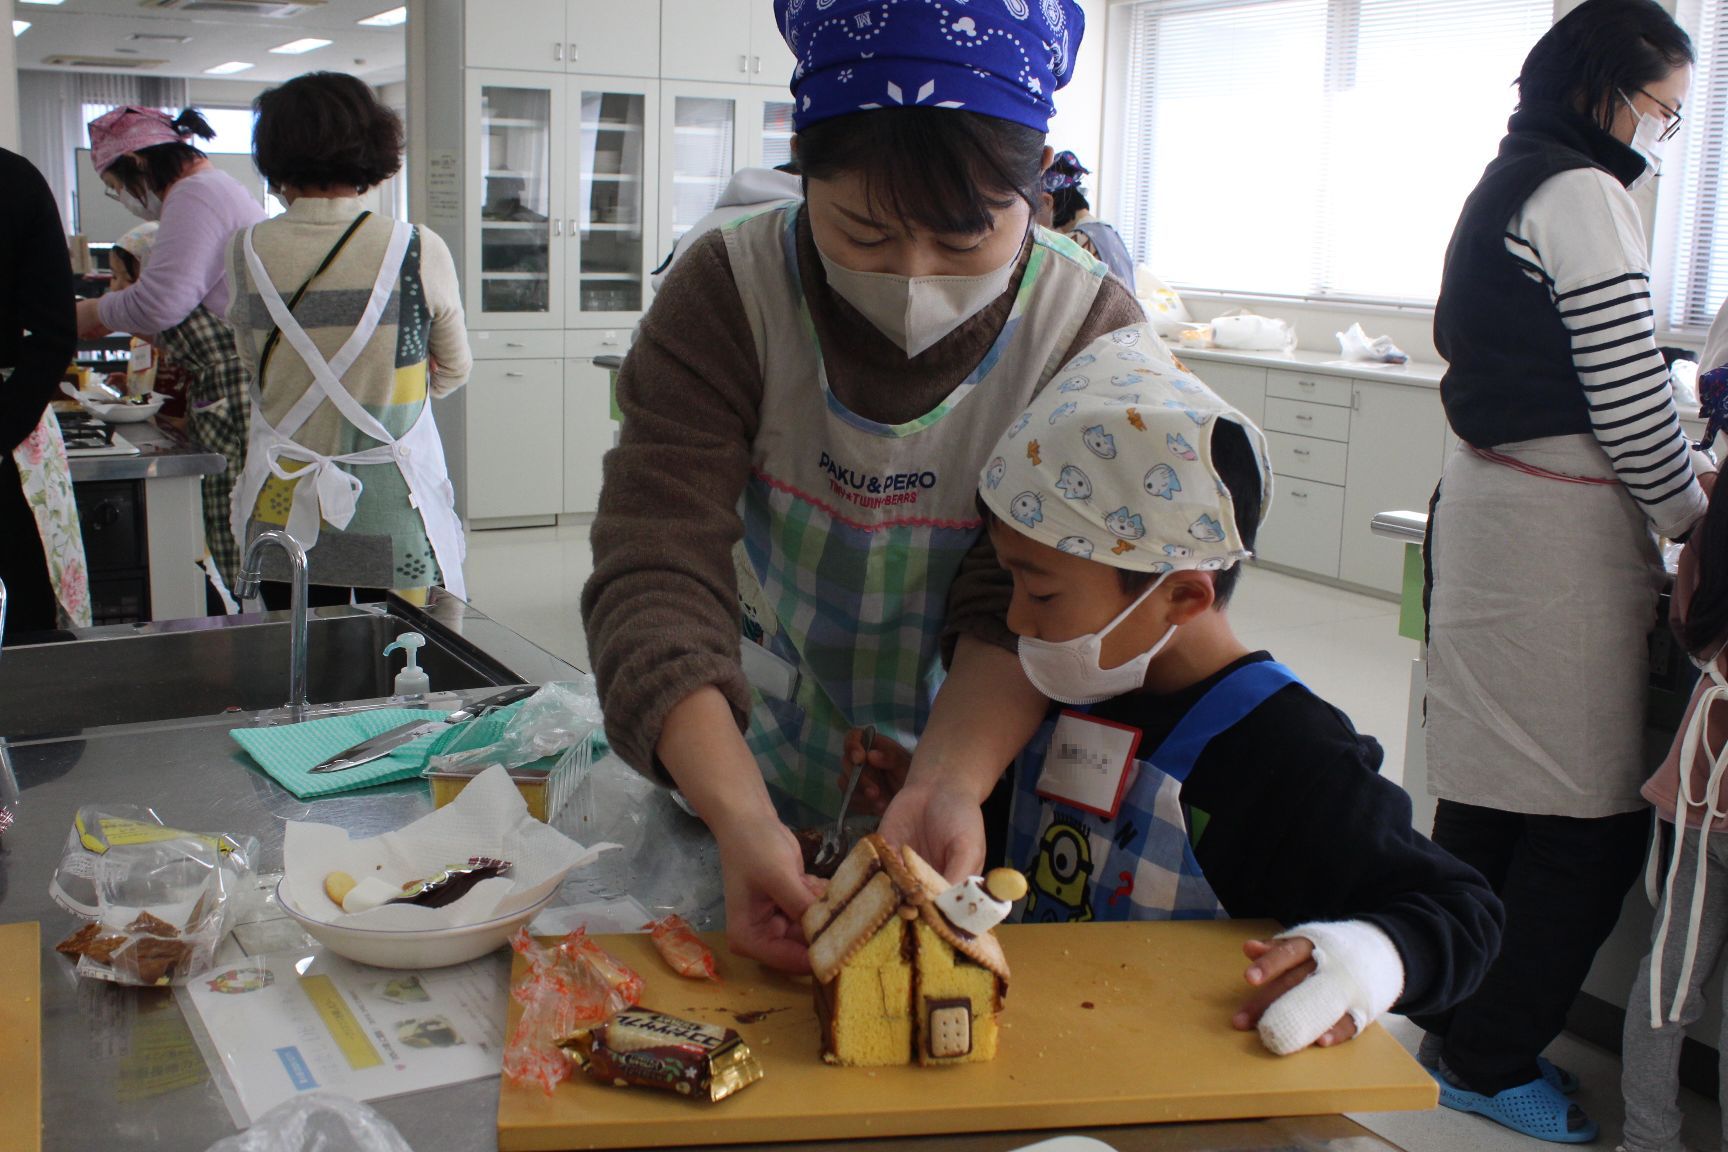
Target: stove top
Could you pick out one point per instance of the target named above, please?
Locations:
(87, 436)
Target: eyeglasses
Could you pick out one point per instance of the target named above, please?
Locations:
(1673, 116)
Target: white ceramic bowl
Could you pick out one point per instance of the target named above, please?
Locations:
(434, 948)
(114, 412)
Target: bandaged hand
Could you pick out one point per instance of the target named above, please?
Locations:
(1319, 984)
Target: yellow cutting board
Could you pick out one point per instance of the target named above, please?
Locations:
(21, 1025)
(1105, 1024)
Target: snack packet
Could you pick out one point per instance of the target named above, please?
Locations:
(680, 947)
(566, 987)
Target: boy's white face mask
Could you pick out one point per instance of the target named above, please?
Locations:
(1069, 670)
(917, 311)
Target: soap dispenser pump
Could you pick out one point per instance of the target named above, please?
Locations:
(412, 680)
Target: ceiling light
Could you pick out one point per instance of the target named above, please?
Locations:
(19, 27)
(228, 69)
(44, 1)
(296, 47)
(386, 19)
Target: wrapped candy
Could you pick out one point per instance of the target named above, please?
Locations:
(566, 987)
(681, 948)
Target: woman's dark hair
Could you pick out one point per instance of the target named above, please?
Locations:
(1233, 460)
(325, 130)
(1706, 625)
(154, 169)
(1065, 204)
(937, 168)
(1599, 50)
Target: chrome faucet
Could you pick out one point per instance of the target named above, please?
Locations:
(2, 612)
(247, 587)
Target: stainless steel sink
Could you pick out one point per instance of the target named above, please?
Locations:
(136, 674)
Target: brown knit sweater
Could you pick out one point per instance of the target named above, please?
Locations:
(661, 610)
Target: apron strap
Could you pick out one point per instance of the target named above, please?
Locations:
(327, 374)
(1221, 709)
(275, 336)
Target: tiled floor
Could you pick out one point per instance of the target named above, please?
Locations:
(1345, 646)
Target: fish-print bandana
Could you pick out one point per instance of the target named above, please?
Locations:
(1113, 462)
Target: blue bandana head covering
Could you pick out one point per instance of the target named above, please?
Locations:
(1002, 58)
(1065, 171)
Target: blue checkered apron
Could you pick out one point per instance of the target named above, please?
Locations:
(1141, 865)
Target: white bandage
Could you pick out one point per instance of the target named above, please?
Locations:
(1358, 973)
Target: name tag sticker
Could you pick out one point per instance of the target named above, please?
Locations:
(1087, 765)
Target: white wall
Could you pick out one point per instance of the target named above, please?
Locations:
(8, 80)
(1078, 125)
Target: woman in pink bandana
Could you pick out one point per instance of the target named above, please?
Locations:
(182, 296)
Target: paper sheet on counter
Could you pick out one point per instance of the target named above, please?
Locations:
(282, 1025)
(488, 818)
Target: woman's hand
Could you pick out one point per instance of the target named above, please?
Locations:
(766, 894)
(884, 770)
(1277, 966)
(90, 326)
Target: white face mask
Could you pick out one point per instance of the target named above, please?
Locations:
(1647, 142)
(149, 208)
(917, 311)
(1069, 671)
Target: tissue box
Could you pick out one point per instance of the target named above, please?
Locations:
(545, 784)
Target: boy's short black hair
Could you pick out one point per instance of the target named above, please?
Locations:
(154, 169)
(326, 130)
(119, 255)
(1233, 459)
(941, 169)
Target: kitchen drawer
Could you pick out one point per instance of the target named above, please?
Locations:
(1238, 385)
(527, 344)
(1305, 458)
(1306, 419)
(1305, 528)
(1307, 386)
(518, 373)
(587, 343)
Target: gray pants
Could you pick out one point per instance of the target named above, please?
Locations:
(1650, 1076)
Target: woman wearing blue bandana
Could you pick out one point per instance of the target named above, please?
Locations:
(806, 408)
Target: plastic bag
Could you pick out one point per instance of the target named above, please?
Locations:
(317, 1122)
(557, 717)
(158, 901)
(1355, 344)
(570, 985)
(1248, 332)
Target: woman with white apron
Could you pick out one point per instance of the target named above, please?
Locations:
(343, 451)
(806, 408)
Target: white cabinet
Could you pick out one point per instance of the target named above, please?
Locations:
(700, 148)
(1396, 438)
(514, 251)
(589, 431)
(1241, 386)
(515, 420)
(1304, 527)
(617, 37)
(771, 62)
(530, 38)
(611, 167)
(732, 41)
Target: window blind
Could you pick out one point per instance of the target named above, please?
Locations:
(1313, 147)
(1699, 227)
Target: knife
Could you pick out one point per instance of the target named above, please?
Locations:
(387, 742)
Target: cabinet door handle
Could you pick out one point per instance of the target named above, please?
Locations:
(557, 226)
(744, 64)
(518, 376)
(558, 51)
(511, 345)
(1308, 384)
(756, 64)
(1299, 494)
(574, 55)
(1305, 419)
(1300, 452)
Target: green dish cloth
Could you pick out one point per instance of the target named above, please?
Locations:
(288, 753)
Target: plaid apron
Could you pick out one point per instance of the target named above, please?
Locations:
(202, 345)
(1141, 865)
(855, 530)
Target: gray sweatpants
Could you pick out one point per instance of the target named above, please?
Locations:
(1650, 1075)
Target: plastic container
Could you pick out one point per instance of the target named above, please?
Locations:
(412, 680)
(546, 784)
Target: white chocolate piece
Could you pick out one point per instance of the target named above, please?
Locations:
(369, 894)
(970, 908)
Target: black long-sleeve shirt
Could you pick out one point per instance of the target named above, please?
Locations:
(38, 328)
(1294, 823)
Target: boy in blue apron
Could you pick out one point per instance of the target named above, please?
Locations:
(1183, 776)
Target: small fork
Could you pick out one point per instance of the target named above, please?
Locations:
(834, 840)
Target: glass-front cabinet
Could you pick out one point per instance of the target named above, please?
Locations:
(699, 149)
(776, 139)
(514, 251)
(612, 168)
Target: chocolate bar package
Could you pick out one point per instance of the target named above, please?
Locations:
(650, 1049)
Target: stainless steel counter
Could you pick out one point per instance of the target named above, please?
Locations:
(162, 454)
(121, 1067)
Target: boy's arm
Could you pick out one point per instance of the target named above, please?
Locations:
(1317, 835)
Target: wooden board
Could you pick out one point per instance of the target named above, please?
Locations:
(21, 1025)
(1106, 1024)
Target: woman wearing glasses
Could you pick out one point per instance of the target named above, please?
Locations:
(1542, 540)
(150, 167)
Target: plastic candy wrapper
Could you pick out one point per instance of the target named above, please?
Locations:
(680, 947)
(559, 716)
(568, 986)
(1355, 344)
(158, 901)
(317, 1122)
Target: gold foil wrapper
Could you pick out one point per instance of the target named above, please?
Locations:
(643, 1048)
